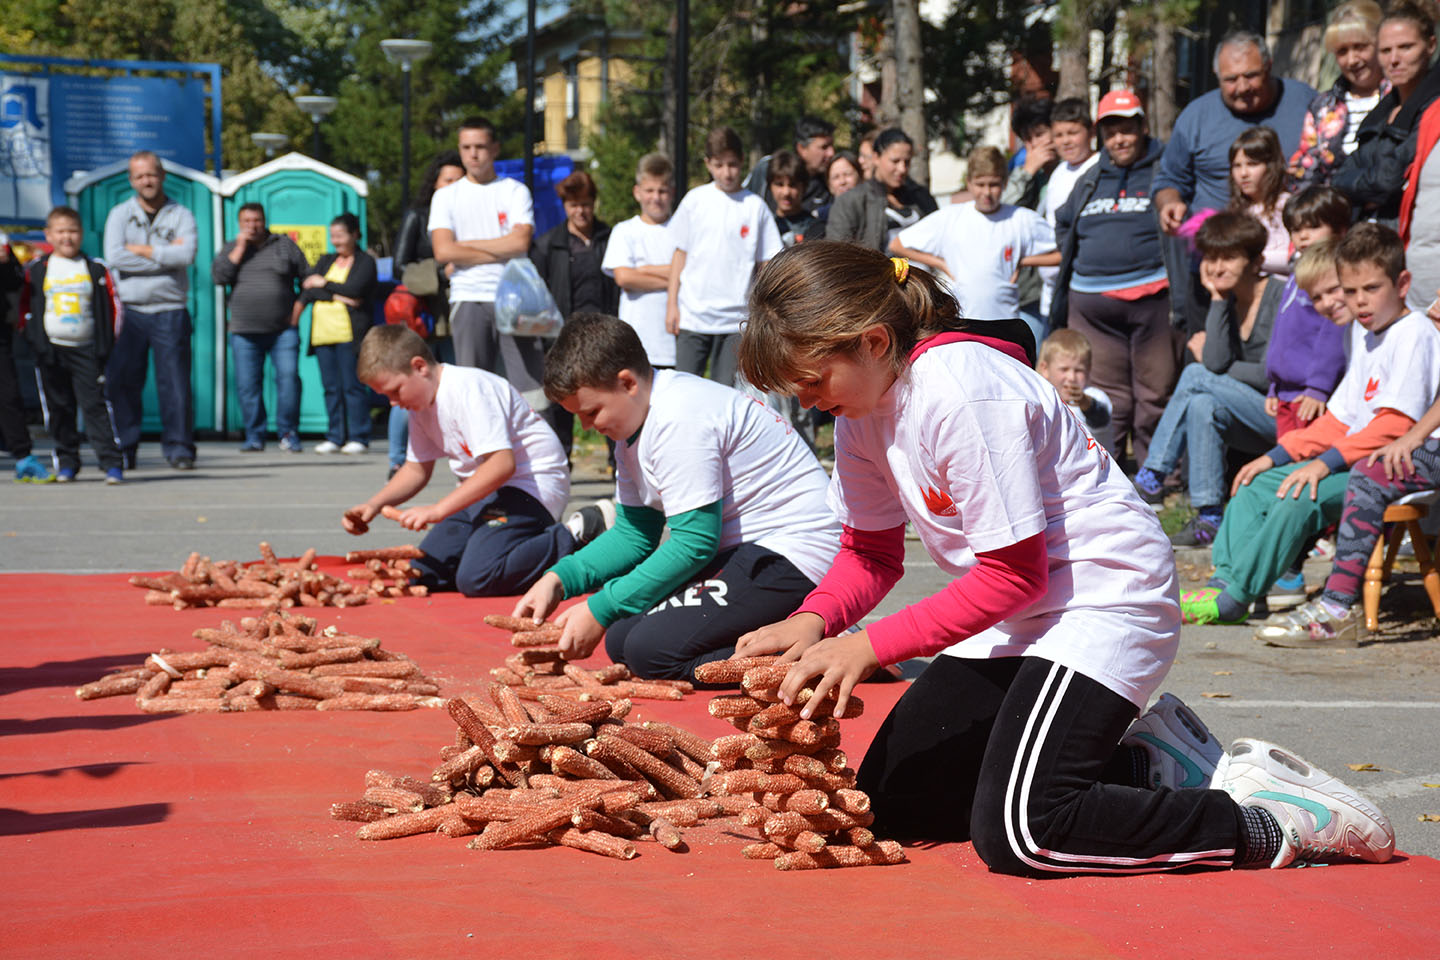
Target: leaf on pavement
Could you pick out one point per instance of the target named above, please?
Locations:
(1363, 767)
(1223, 673)
(1214, 694)
(1429, 818)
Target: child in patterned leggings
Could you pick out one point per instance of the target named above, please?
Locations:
(1406, 465)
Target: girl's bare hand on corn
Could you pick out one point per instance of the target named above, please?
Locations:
(834, 664)
(580, 634)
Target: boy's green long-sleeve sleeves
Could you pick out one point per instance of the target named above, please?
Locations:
(636, 570)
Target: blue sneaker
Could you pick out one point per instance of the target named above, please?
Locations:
(28, 469)
(1287, 592)
(64, 475)
(114, 475)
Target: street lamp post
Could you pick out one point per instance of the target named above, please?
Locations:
(269, 142)
(319, 108)
(405, 52)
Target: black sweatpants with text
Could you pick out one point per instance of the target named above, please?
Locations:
(1018, 755)
(743, 589)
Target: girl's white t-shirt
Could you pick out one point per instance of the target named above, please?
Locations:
(982, 252)
(477, 413)
(635, 243)
(724, 235)
(978, 452)
(704, 442)
(1396, 369)
(480, 211)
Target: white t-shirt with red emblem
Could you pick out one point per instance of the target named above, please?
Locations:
(1397, 368)
(982, 252)
(477, 413)
(724, 235)
(978, 452)
(480, 211)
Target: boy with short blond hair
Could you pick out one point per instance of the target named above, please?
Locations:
(750, 531)
(638, 258)
(68, 309)
(1065, 361)
(722, 234)
(496, 531)
(1281, 498)
(981, 244)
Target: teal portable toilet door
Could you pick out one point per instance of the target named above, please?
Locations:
(95, 193)
(300, 196)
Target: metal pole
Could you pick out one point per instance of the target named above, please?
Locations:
(530, 96)
(682, 98)
(315, 150)
(405, 143)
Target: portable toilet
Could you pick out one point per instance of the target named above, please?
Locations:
(300, 196)
(95, 193)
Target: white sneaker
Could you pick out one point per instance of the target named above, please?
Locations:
(326, 446)
(355, 446)
(1183, 752)
(1320, 817)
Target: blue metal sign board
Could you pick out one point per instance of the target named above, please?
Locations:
(56, 124)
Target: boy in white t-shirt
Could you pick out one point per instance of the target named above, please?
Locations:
(1065, 362)
(980, 245)
(1073, 134)
(639, 255)
(1280, 499)
(722, 232)
(478, 224)
(750, 531)
(496, 531)
(68, 311)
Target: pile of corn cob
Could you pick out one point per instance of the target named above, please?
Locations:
(548, 770)
(538, 667)
(796, 785)
(278, 661)
(271, 584)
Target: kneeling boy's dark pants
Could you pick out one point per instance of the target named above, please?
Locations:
(495, 547)
(745, 588)
(72, 380)
(1019, 755)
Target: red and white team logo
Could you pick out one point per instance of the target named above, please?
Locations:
(938, 502)
(1009, 252)
(504, 220)
(744, 230)
(1372, 387)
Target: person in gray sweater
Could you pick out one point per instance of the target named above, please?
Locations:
(1220, 401)
(878, 209)
(264, 271)
(150, 247)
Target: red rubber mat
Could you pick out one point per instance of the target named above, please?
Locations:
(128, 835)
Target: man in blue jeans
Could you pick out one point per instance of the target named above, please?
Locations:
(149, 247)
(264, 271)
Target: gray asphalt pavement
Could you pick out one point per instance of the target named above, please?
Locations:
(1377, 705)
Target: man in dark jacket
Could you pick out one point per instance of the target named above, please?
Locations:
(14, 434)
(264, 271)
(568, 258)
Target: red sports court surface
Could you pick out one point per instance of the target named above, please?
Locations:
(127, 835)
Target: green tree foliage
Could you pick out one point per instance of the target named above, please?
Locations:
(755, 65)
(968, 58)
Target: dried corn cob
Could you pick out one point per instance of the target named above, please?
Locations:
(801, 801)
(395, 797)
(762, 851)
(109, 687)
(880, 853)
(406, 824)
(382, 553)
(753, 781)
(665, 776)
(593, 842)
(358, 811)
(729, 671)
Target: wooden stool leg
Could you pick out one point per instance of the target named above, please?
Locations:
(1426, 557)
(1375, 574)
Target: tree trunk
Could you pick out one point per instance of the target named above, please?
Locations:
(667, 126)
(887, 111)
(1163, 109)
(1072, 49)
(910, 77)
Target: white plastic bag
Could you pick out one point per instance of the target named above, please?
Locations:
(523, 305)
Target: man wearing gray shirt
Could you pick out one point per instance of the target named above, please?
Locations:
(149, 247)
(263, 271)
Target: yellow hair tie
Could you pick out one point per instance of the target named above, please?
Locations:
(902, 269)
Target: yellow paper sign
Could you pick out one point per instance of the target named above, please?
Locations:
(313, 239)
